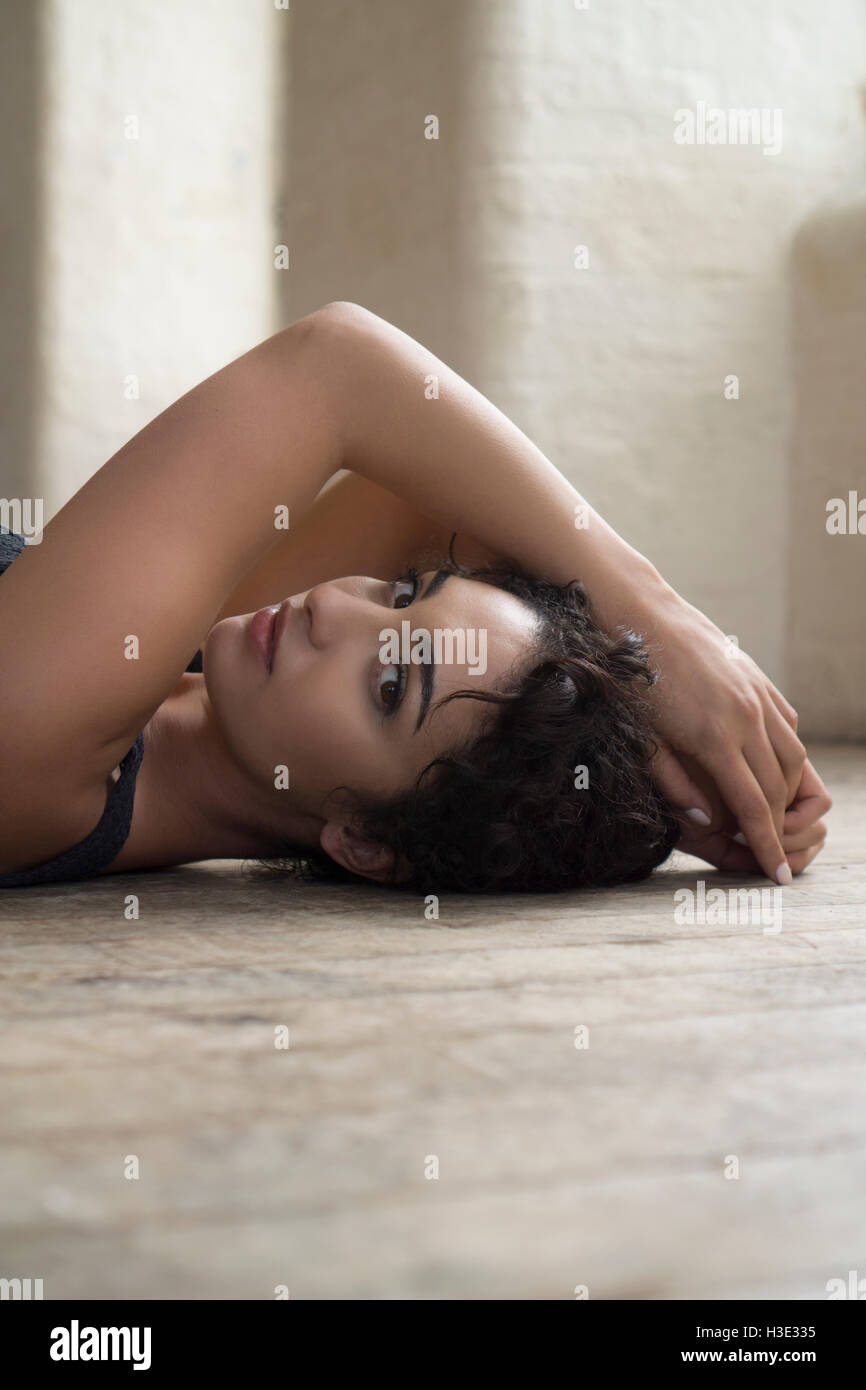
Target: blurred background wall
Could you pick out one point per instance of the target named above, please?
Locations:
(157, 155)
(139, 148)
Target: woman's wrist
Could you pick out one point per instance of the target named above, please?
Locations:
(624, 588)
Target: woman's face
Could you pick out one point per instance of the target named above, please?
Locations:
(331, 710)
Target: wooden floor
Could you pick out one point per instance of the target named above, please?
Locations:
(558, 1166)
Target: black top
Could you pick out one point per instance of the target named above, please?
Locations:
(106, 840)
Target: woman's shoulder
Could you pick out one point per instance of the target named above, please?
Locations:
(71, 835)
(87, 853)
(66, 835)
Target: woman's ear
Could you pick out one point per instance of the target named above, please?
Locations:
(359, 855)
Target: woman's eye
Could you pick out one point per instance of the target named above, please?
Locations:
(391, 684)
(391, 680)
(410, 583)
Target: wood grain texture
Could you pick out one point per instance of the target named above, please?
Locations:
(602, 1166)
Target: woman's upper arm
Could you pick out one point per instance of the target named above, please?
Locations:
(98, 621)
(354, 527)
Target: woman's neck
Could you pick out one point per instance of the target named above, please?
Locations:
(192, 801)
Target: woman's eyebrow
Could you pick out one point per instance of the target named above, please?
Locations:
(435, 584)
(428, 669)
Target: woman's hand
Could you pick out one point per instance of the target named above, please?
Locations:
(723, 844)
(460, 462)
(716, 713)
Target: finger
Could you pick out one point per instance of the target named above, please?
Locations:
(787, 748)
(721, 851)
(802, 858)
(806, 839)
(814, 834)
(761, 758)
(785, 708)
(744, 796)
(736, 859)
(677, 787)
(812, 800)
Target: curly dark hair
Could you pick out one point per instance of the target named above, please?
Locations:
(506, 812)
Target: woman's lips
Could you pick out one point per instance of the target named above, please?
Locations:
(262, 632)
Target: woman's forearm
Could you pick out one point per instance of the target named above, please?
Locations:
(406, 421)
(411, 424)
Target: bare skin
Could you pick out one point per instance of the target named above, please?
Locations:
(176, 533)
(327, 710)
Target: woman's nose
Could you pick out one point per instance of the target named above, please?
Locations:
(341, 609)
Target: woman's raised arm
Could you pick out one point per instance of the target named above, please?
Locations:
(104, 614)
(98, 621)
(409, 423)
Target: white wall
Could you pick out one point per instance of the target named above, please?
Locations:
(158, 258)
(617, 371)
(557, 130)
(153, 257)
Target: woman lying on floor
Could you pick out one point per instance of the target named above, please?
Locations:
(511, 732)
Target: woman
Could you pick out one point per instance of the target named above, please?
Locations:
(302, 732)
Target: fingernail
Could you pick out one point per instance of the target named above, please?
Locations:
(784, 875)
(698, 816)
(740, 838)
